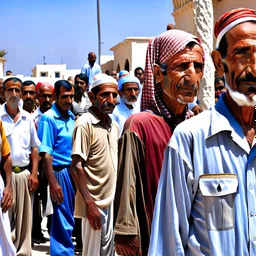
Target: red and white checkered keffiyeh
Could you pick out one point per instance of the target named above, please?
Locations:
(160, 49)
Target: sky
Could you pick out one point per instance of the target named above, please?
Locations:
(65, 31)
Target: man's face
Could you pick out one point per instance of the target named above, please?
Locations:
(92, 59)
(140, 75)
(219, 88)
(29, 96)
(130, 92)
(65, 99)
(80, 86)
(240, 62)
(12, 93)
(45, 98)
(105, 100)
(113, 74)
(183, 76)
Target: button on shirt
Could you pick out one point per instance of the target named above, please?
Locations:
(218, 218)
(55, 133)
(21, 136)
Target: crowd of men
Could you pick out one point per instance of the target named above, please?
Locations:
(120, 161)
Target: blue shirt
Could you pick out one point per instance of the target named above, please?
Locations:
(212, 214)
(91, 71)
(55, 133)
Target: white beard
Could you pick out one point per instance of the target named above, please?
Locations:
(239, 98)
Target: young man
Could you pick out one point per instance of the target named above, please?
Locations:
(94, 166)
(206, 193)
(29, 96)
(55, 132)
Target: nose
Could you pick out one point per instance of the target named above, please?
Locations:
(191, 74)
(133, 93)
(252, 67)
(111, 98)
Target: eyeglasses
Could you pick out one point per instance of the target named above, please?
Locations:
(28, 92)
(138, 74)
(220, 88)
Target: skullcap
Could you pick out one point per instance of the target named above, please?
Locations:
(102, 79)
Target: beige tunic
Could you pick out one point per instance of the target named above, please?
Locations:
(98, 148)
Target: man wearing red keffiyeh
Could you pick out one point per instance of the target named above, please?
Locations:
(173, 71)
(205, 203)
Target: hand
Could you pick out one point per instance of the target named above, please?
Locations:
(32, 183)
(7, 200)
(56, 193)
(127, 245)
(196, 110)
(93, 215)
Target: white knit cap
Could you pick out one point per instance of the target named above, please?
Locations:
(102, 79)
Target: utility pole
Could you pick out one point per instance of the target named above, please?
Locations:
(99, 34)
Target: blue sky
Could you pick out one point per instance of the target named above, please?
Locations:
(66, 30)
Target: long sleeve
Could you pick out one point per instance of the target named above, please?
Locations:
(130, 161)
(170, 227)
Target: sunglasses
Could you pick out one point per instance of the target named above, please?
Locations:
(219, 88)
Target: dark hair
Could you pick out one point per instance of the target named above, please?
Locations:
(62, 83)
(12, 79)
(95, 90)
(83, 77)
(217, 79)
(8, 71)
(137, 69)
(27, 83)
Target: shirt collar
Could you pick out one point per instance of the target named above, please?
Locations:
(57, 113)
(94, 119)
(4, 112)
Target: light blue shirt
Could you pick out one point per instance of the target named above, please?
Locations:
(214, 214)
(91, 71)
(55, 133)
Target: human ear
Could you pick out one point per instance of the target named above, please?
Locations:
(218, 63)
(158, 76)
(91, 96)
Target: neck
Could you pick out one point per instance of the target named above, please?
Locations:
(244, 115)
(12, 111)
(128, 105)
(62, 112)
(104, 118)
(175, 107)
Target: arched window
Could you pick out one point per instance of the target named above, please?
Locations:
(127, 65)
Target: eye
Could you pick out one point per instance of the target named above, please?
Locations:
(198, 66)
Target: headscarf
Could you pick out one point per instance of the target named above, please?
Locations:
(230, 19)
(123, 73)
(39, 84)
(127, 79)
(160, 49)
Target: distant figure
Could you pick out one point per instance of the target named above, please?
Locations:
(71, 79)
(123, 73)
(107, 72)
(81, 88)
(28, 90)
(8, 73)
(170, 26)
(219, 85)
(2, 99)
(113, 74)
(91, 68)
(139, 73)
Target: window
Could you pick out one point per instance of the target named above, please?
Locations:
(57, 74)
(43, 74)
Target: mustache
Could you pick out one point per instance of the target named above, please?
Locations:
(46, 103)
(133, 98)
(248, 78)
(108, 104)
(29, 100)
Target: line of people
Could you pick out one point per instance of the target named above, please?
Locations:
(156, 182)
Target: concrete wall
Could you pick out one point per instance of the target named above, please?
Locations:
(138, 55)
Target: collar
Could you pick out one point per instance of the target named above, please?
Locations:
(3, 112)
(223, 120)
(57, 114)
(95, 120)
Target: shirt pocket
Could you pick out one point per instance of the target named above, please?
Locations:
(218, 192)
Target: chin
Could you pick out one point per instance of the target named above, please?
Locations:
(241, 99)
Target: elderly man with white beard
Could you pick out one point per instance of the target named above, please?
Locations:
(205, 203)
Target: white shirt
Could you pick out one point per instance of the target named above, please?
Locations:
(37, 116)
(21, 136)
